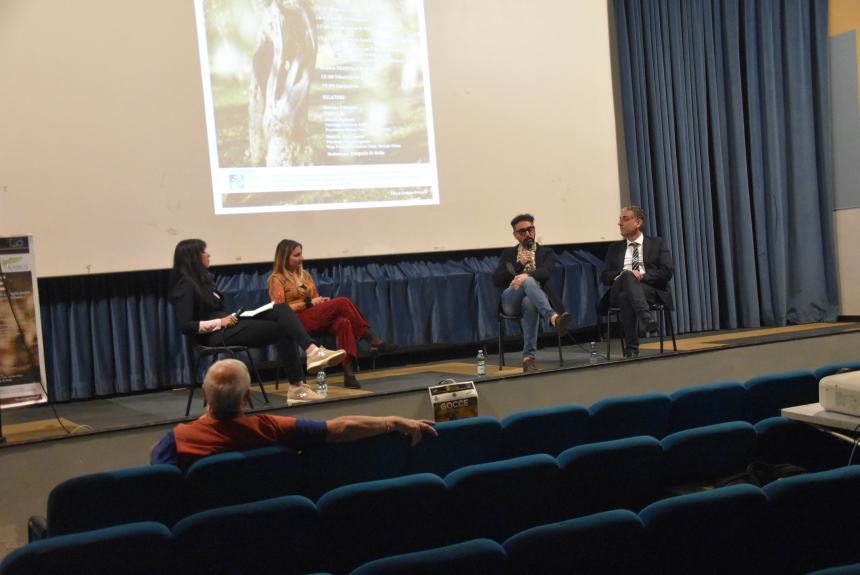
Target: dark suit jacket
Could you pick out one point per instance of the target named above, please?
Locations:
(192, 306)
(545, 260)
(658, 268)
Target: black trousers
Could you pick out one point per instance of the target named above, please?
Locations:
(278, 326)
(633, 298)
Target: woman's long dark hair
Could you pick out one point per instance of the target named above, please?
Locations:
(188, 263)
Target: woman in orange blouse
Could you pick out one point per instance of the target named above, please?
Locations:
(290, 283)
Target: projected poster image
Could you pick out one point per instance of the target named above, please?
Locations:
(317, 104)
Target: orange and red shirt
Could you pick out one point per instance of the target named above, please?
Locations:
(188, 442)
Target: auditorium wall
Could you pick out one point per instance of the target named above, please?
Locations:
(68, 186)
(104, 149)
(845, 70)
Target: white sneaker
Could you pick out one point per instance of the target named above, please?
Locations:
(323, 358)
(303, 393)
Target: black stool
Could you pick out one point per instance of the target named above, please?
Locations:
(198, 352)
(664, 322)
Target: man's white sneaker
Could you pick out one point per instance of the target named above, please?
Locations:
(303, 393)
(323, 358)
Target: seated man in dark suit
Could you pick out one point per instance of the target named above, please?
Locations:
(638, 269)
(524, 273)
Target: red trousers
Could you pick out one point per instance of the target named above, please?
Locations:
(337, 316)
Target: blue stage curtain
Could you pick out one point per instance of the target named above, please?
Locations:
(726, 114)
(109, 335)
(115, 334)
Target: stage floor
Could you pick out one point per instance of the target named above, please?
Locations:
(40, 423)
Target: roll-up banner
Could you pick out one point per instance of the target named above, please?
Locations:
(22, 361)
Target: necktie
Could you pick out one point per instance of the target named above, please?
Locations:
(634, 263)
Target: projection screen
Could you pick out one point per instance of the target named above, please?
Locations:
(105, 155)
(317, 104)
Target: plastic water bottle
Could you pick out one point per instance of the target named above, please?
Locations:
(482, 364)
(592, 358)
(322, 386)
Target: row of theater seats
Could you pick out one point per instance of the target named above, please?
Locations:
(497, 499)
(793, 525)
(163, 494)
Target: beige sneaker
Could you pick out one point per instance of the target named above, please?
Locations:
(303, 393)
(323, 358)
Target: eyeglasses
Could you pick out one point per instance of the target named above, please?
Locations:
(528, 230)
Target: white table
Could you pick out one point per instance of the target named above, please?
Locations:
(825, 420)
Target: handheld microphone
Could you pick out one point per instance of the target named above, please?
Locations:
(528, 243)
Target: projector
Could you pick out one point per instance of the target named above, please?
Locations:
(840, 393)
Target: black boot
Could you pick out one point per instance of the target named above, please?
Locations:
(349, 379)
(377, 346)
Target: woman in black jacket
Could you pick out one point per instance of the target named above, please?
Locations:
(199, 309)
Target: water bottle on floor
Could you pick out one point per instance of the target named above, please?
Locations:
(592, 357)
(322, 386)
(482, 364)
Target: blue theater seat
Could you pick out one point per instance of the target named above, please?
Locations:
(620, 474)
(815, 519)
(706, 405)
(719, 531)
(460, 443)
(782, 440)
(275, 536)
(474, 557)
(706, 454)
(375, 519)
(617, 417)
(336, 464)
(853, 569)
(832, 368)
(241, 477)
(767, 394)
(133, 549)
(149, 493)
(609, 542)
(496, 500)
(549, 430)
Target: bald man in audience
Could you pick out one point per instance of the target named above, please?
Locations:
(225, 427)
